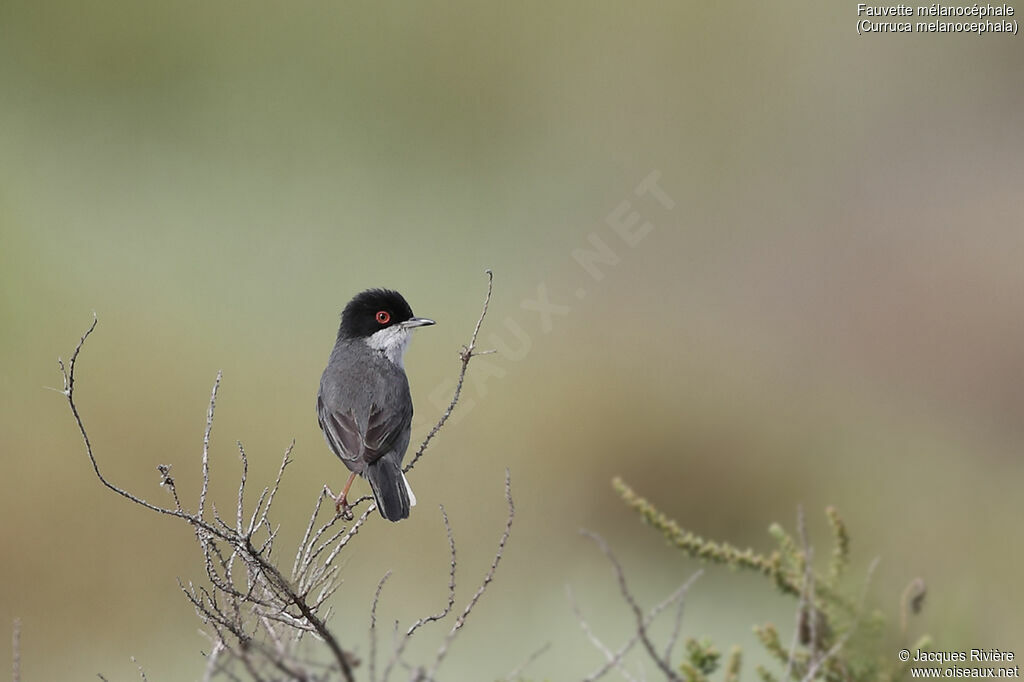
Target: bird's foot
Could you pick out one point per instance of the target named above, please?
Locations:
(341, 505)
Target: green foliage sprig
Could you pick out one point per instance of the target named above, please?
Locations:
(699, 548)
(836, 638)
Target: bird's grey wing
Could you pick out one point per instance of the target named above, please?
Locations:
(384, 429)
(341, 431)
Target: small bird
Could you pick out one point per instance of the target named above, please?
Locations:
(364, 406)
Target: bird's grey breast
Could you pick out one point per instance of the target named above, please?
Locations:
(357, 379)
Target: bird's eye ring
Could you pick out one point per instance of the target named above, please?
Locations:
(383, 316)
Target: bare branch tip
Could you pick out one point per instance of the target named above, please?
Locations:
(16, 651)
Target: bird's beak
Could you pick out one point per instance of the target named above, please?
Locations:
(417, 322)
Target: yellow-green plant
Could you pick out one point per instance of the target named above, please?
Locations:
(836, 637)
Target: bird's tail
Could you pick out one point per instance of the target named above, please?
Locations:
(390, 489)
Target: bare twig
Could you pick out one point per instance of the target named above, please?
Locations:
(518, 670)
(461, 620)
(206, 444)
(373, 627)
(16, 651)
(615, 660)
(213, 664)
(641, 624)
(468, 353)
(142, 673)
(677, 629)
(806, 600)
(68, 374)
(817, 661)
(401, 643)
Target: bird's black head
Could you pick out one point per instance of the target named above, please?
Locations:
(372, 310)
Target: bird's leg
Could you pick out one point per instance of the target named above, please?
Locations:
(341, 501)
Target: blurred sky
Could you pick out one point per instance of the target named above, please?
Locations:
(825, 308)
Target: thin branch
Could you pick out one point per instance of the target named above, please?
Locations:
(206, 444)
(400, 645)
(142, 673)
(451, 580)
(461, 620)
(373, 627)
(305, 544)
(615, 661)
(166, 480)
(68, 374)
(325, 634)
(16, 652)
(677, 630)
(241, 487)
(212, 661)
(806, 591)
(467, 354)
(818, 662)
(637, 611)
(518, 670)
(267, 499)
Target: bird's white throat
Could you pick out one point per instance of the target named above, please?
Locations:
(392, 341)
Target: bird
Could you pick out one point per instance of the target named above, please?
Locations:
(364, 406)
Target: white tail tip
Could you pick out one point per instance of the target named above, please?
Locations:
(408, 488)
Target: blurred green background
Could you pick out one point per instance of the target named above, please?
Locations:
(830, 313)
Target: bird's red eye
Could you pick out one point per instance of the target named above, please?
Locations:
(383, 316)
